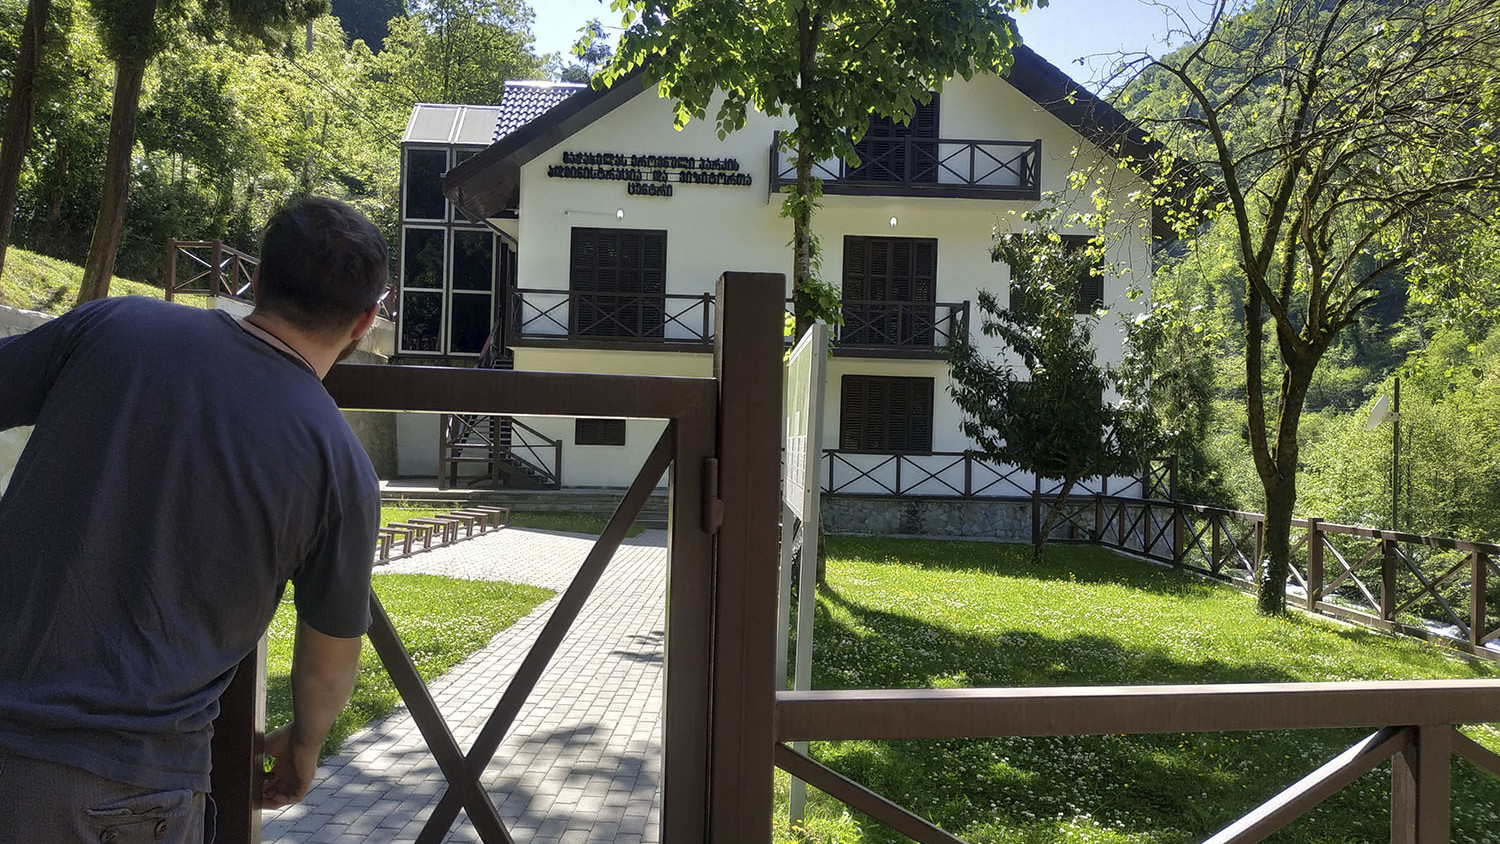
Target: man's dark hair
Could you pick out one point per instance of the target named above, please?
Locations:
(322, 263)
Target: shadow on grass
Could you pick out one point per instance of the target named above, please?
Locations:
(1163, 789)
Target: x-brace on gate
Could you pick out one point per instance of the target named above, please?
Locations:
(721, 449)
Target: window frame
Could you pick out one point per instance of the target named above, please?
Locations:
(918, 391)
(600, 431)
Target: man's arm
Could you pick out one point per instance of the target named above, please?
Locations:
(323, 672)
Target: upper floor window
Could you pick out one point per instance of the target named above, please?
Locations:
(896, 152)
(1088, 296)
(617, 279)
(889, 286)
(422, 177)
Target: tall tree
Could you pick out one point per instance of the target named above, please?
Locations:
(1351, 138)
(1059, 422)
(19, 113)
(828, 64)
(458, 51)
(134, 32)
(592, 52)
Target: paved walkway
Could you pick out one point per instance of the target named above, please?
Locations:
(582, 763)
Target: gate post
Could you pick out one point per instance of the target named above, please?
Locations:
(1478, 592)
(238, 750)
(1421, 787)
(747, 364)
(1388, 579)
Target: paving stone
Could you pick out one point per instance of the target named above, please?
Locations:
(584, 756)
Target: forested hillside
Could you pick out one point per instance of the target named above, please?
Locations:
(1437, 336)
(228, 125)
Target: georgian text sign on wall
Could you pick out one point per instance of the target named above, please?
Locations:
(650, 175)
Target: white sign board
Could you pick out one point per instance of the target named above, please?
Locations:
(805, 374)
(806, 381)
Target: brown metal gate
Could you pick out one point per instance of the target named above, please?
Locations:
(720, 448)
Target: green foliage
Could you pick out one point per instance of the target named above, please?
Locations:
(366, 20)
(441, 622)
(457, 51)
(934, 614)
(828, 64)
(1352, 139)
(1059, 421)
(592, 51)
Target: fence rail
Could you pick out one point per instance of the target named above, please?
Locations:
(1414, 720)
(209, 268)
(1432, 587)
(549, 315)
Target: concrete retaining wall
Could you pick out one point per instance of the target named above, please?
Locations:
(1008, 520)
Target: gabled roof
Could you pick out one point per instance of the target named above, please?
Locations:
(488, 184)
(525, 101)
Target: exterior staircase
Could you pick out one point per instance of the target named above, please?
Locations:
(511, 454)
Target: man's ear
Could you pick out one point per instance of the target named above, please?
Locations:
(365, 323)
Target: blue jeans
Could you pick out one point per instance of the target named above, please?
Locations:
(47, 803)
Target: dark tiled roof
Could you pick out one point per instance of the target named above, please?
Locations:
(523, 102)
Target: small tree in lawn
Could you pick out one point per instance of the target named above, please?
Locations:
(1058, 421)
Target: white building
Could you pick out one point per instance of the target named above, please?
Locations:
(602, 231)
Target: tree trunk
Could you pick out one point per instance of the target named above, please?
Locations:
(1039, 542)
(19, 114)
(1280, 485)
(802, 245)
(100, 266)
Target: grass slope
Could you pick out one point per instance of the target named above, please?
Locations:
(441, 621)
(35, 282)
(914, 613)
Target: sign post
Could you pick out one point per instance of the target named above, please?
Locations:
(806, 376)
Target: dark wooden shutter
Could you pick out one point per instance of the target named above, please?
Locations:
(619, 279)
(1090, 292)
(898, 270)
(599, 432)
(885, 414)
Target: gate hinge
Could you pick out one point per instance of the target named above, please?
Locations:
(713, 505)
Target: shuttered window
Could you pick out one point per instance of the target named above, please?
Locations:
(886, 414)
(889, 151)
(619, 281)
(1089, 295)
(599, 432)
(898, 270)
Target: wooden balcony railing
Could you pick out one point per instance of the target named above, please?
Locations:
(209, 268)
(901, 327)
(541, 316)
(1414, 722)
(944, 167)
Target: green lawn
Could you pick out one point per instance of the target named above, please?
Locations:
(36, 282)
(441, 621)
(915, 613)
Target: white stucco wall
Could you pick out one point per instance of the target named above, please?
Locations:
(712, 229)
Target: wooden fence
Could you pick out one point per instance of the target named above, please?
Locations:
(1432, 587)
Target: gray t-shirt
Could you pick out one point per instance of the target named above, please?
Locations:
(181, 472)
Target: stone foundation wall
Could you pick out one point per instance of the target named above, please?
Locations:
(1008, 520)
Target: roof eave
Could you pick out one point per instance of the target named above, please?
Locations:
(489, 183)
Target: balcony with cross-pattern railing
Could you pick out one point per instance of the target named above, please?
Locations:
(909, 166)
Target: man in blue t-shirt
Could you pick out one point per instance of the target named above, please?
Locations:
(184, 467)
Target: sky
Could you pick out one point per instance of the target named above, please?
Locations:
(1062, 33)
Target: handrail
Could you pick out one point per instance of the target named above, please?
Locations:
(926, 166)
(1367, 575)
(1416, 720)
(560, 314)
(230, 273)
